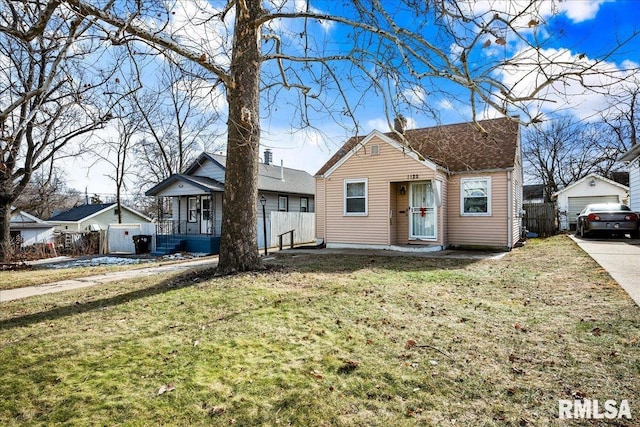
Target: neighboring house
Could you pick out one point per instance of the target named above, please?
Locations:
(29, 229)
(446, 186)
(95, 217)
(592, 188)
(632, 158)
(196, 216)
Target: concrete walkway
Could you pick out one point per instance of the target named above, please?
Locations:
(621, 259)
(85, 282)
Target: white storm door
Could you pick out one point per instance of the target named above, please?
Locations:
(206, 218)
(422, 212)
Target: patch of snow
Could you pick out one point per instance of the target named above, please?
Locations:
(103, 260)
(181, 255)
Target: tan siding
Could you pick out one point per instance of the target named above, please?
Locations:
(402, 225)
(479, 230)
(393, 221)
(443, 211)
(517, 197)
(320, 208)
(391, 165)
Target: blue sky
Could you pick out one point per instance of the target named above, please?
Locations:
(587, 28)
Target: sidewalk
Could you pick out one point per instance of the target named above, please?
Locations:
(85, 282)
(88, 281)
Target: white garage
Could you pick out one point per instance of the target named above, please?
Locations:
(590, 189)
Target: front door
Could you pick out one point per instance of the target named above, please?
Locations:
(206, 212)
(423, 212)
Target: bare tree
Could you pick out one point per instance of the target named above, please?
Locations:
(47, 192)
(564, 150)
(276, 47)
(46, 99)
(180, 119)
(116, 149)
(623, 116)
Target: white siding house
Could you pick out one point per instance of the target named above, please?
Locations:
(590, 189)
(29, 229)
(95, 217)
(196, 200)
(632, 158)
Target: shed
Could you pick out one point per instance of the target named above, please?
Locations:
(29, 229)
(592, 188)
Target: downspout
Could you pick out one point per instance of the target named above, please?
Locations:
(509, 211)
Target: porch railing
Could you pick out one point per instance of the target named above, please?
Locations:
(183, 228)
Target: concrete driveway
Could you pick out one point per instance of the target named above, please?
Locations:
(620, 257)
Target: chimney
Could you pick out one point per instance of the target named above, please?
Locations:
(399, 123)
(281, 170)
(268, 156)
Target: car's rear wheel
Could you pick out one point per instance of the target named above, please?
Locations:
(583, 233)
(635, 234)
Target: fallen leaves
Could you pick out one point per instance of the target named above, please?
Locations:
(165, 388)
(519, 327)
(348, 366)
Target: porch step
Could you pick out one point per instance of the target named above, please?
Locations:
(170, 246)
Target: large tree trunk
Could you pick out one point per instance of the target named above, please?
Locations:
(6, 250)
(239, 242)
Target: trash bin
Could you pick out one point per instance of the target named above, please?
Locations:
(142, 243)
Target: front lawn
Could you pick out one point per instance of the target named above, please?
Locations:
(321, 340)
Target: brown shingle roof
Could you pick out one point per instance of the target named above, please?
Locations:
(457, 147)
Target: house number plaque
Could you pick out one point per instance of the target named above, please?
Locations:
(413, 176)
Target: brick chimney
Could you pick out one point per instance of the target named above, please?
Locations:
(399, 123)
(268, 156)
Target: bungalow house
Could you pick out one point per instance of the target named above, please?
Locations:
(632, 158)
(94, 217)
(593, 188)
(456, 185)
(196, 196)
(29, 230)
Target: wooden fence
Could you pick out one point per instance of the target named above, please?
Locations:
(540, 218)
(282, 222)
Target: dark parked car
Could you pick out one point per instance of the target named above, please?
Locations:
(610, 218)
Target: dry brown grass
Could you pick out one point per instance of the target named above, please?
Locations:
(329, 340)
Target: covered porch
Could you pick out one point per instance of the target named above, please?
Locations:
(195, 217)
(416, 214)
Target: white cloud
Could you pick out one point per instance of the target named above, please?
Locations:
(585, 95)
(580, 10)
(194, 25)
(416, 95)
(445, 104)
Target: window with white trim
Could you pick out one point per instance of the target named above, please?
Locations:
(283, 203)
(304, 204)
(475, 196)
(192, 209)
(355, 197)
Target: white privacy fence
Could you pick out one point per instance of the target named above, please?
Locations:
(303, 224)
(120, 236)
